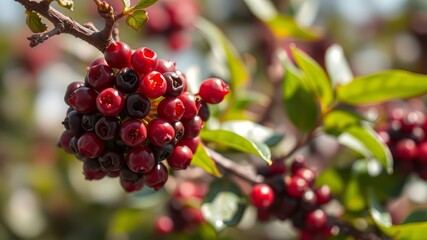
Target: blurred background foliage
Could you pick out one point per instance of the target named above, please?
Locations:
(43, 194)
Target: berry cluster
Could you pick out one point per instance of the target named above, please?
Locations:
(175, 19)
(183, 210)
(293, 196)
(132, 112)
(405, 134)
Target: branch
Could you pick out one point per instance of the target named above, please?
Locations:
(64, 24)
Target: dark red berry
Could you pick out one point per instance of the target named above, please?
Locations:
(164, 225)
(192, 127)
(308, 200)
(175, 84)
(97, 61)
(262, 196)
(163, 152)
(73, 123)
(74, 148)
(171, 109)
(83, 99)
(179, 131)
(298, 163)
(277, 168)
(307, 174)
(315, 220)
(192, 143)
(91, 169)
(100, 77)
(157, 177)
(107, 128)
(411, 120)
(110, 102)
(140, 159)
(422, 152)
(164, 65)
(64, 141)
(160, 132)
(296, 187)
(131, 186)
(113, 174)
(152, 85)
(90, 146)
(128, 175)
(406, 150)
(118, 55)
(263, 214)
(191, 105)
(181, 157)
(323, 194)
(133, 132)
(111, 160)
(144, 60)
(70, 88)
(137, 105)
(127, 80)
(89, 120)
(395, 130)
(204, 112)
(213, 90)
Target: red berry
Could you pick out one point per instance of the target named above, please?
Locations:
(131, 186)
(118, 55)
(90, 146)
(191, 105)
(406, 150)
(140, 159)
(192, 143)
(144, 60)
(64, 141)
(307, 174)
(133, 132)
(213, 90)
(157, 177)
(262, 196)
(160, 132)
(422, 152)
(110, 102)
(100, 77)
(315, 220)
(180, 158)
(83, 99)
(164, 65)
(70, 88)
(164, 225)
(323, 194)
(91, 170)
(299, 162)
(296, 187)
(97, 61)
(171, 109)
(192, 127)
(153, 85)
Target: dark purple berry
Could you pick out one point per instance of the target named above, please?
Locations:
(175, 84)
(137, 105)
(111, 160)
(192, 127)
(89, 120)
(127, 80)
(179, 132)
(107, 128)
(163, 152)
(73, 123)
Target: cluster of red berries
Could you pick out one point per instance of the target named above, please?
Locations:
(132, 112)
(293, 196)
(175, 19)
(405, 134)
(183, 209)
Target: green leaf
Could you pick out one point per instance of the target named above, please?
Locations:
(354, 197)
(417, 216)
(227, 53)
(34, 22)
(351, 132)
(316, 76)
(201, 159)
(126, 4)
(237, 142)
(137, 19)
(300, 103)
(69, 4)
(382, 86)
(250, 130)
(143, 4)
(223, 205)
(125, 221)
(337, 66)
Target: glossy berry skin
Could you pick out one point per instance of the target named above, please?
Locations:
(110, 102)
(83, 99)
(107, 128)
(296, 187)
(204, 112)
(140, 159)
(180, 158)
(213, 90)
(92, 170)
(118, 55)
(171, 109)
(163, 152)
(133, 132)
(127, 80)
(175, 84)
(298, 163)
(73, 123)
(137, 105)
(97, 61)
(111, 160)
(64, 141)
(164, 225)
(323, 194)
(315, 220)
(191, 105)
(160, 132)
(165, 65)
(70, 88)
(90, 146)
(179, 131)
(89, 120)
(192, 127)
(192, 143)
(128, 175)
(100, 77)
(157, 177)
(152, 85)
(422, 153)
(144, 60)
(262, 196)
(307, 174)
(131, 186)
(406, 150)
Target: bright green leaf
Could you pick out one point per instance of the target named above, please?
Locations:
(34, 22)
(284, 26)
(223, 205)
(338, 120)
(126, 4)
(137, 19)
(143, 4)
(316, 76)
(201, 159)
(300, 103)
(69, 4)
(237, 142)
(125, 221)
(250, 130)
(382, 86)
(354, 199)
